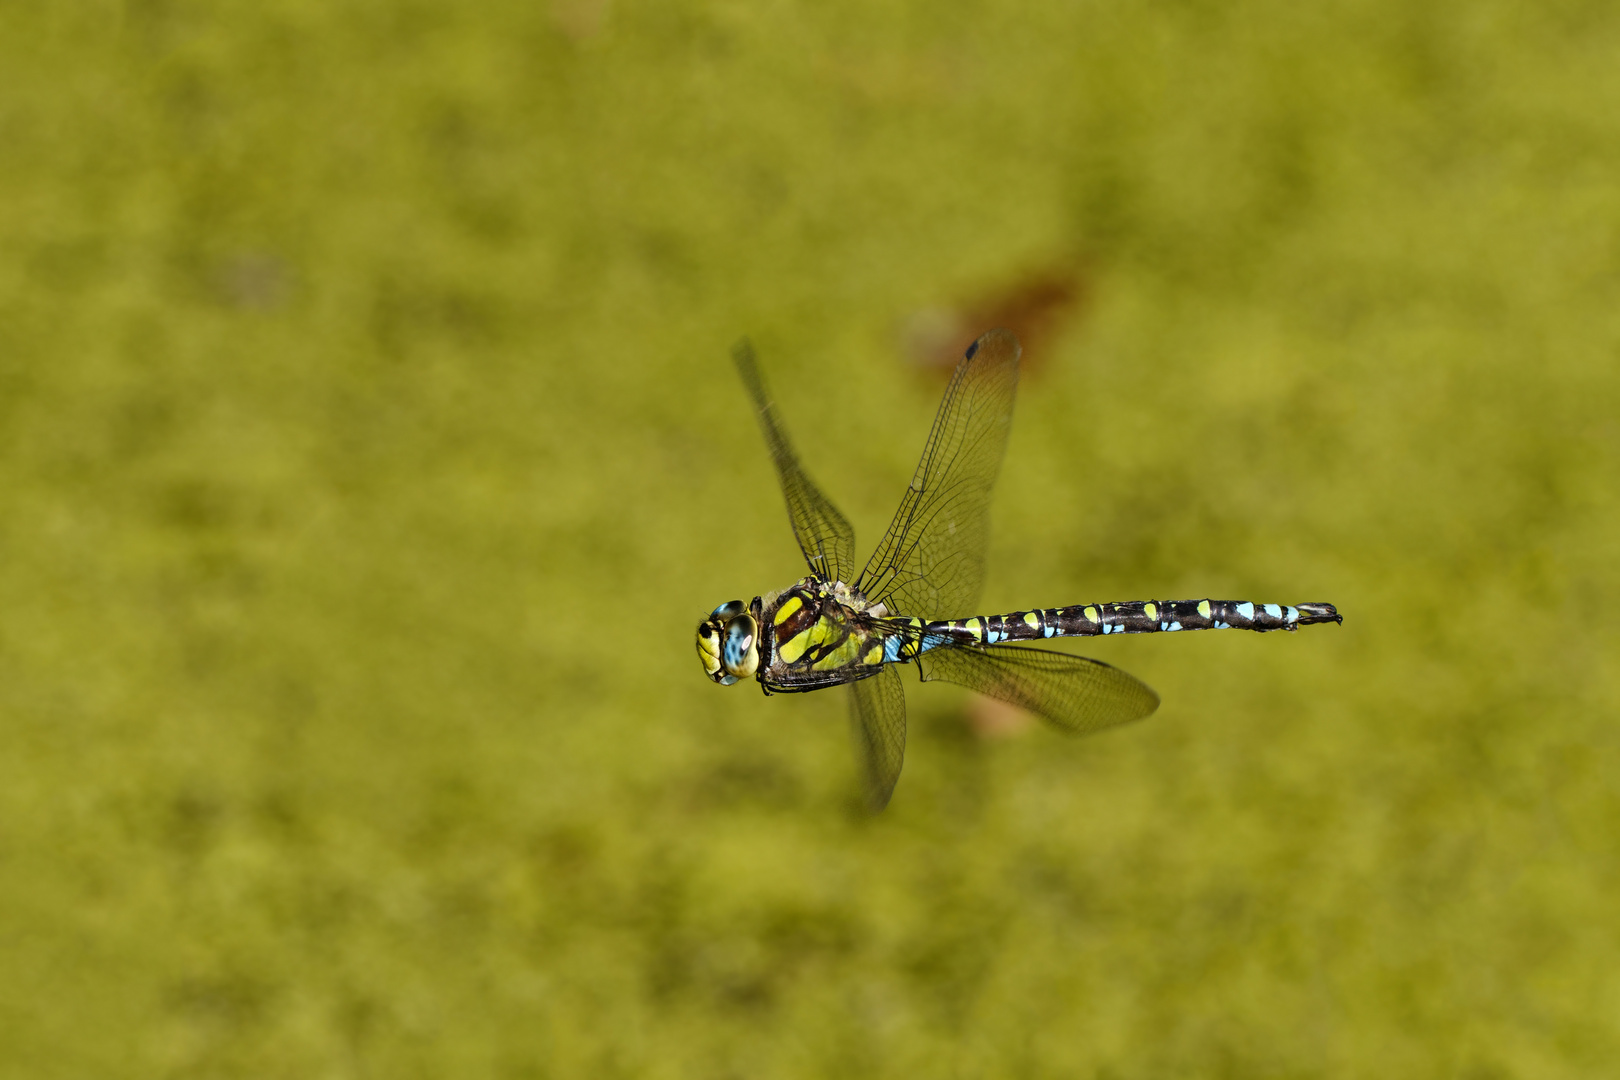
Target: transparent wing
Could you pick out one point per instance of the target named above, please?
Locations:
(1074, 693)
(931, 561)
(827, 540)
(877, 722)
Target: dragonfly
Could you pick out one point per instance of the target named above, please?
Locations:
(840, 627)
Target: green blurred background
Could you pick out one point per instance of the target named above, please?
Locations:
(370, 453)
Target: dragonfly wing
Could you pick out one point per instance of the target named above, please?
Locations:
(931, 561)
(1074, 693)
(877, 720)
(827, 540)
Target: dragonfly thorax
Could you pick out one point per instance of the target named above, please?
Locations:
(728, 643)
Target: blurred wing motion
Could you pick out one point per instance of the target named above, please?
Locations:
(827, 540)
(931, 561)
(1074, 693)
(877, 721)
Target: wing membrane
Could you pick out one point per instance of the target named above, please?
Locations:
(931, 561)
(1074, 693)
(827, 540)
(877, 721)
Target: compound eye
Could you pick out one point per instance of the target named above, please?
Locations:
(729, 610)
(738, 651)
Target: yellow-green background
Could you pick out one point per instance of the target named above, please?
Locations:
(369, 452)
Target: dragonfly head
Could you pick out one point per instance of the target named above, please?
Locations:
(728, 643)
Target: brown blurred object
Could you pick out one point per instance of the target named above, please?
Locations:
(992, 719)
(1033, 308)
(579, 19)
(254, 281)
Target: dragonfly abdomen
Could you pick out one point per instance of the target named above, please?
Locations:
(1135, 617)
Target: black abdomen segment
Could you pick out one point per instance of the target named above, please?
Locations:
(1136, 617)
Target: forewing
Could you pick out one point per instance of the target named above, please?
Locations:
(1074, 693)
(877, 721)
(931, 561)
(827, 540)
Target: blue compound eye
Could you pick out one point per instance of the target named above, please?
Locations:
(728, 610)
(737, 651)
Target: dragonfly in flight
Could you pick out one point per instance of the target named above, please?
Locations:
(837, 627)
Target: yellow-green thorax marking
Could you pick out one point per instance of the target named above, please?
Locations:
(815, 634)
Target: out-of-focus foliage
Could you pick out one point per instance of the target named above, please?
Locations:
(369, 453)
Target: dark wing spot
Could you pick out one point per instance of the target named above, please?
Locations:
(973, 348)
